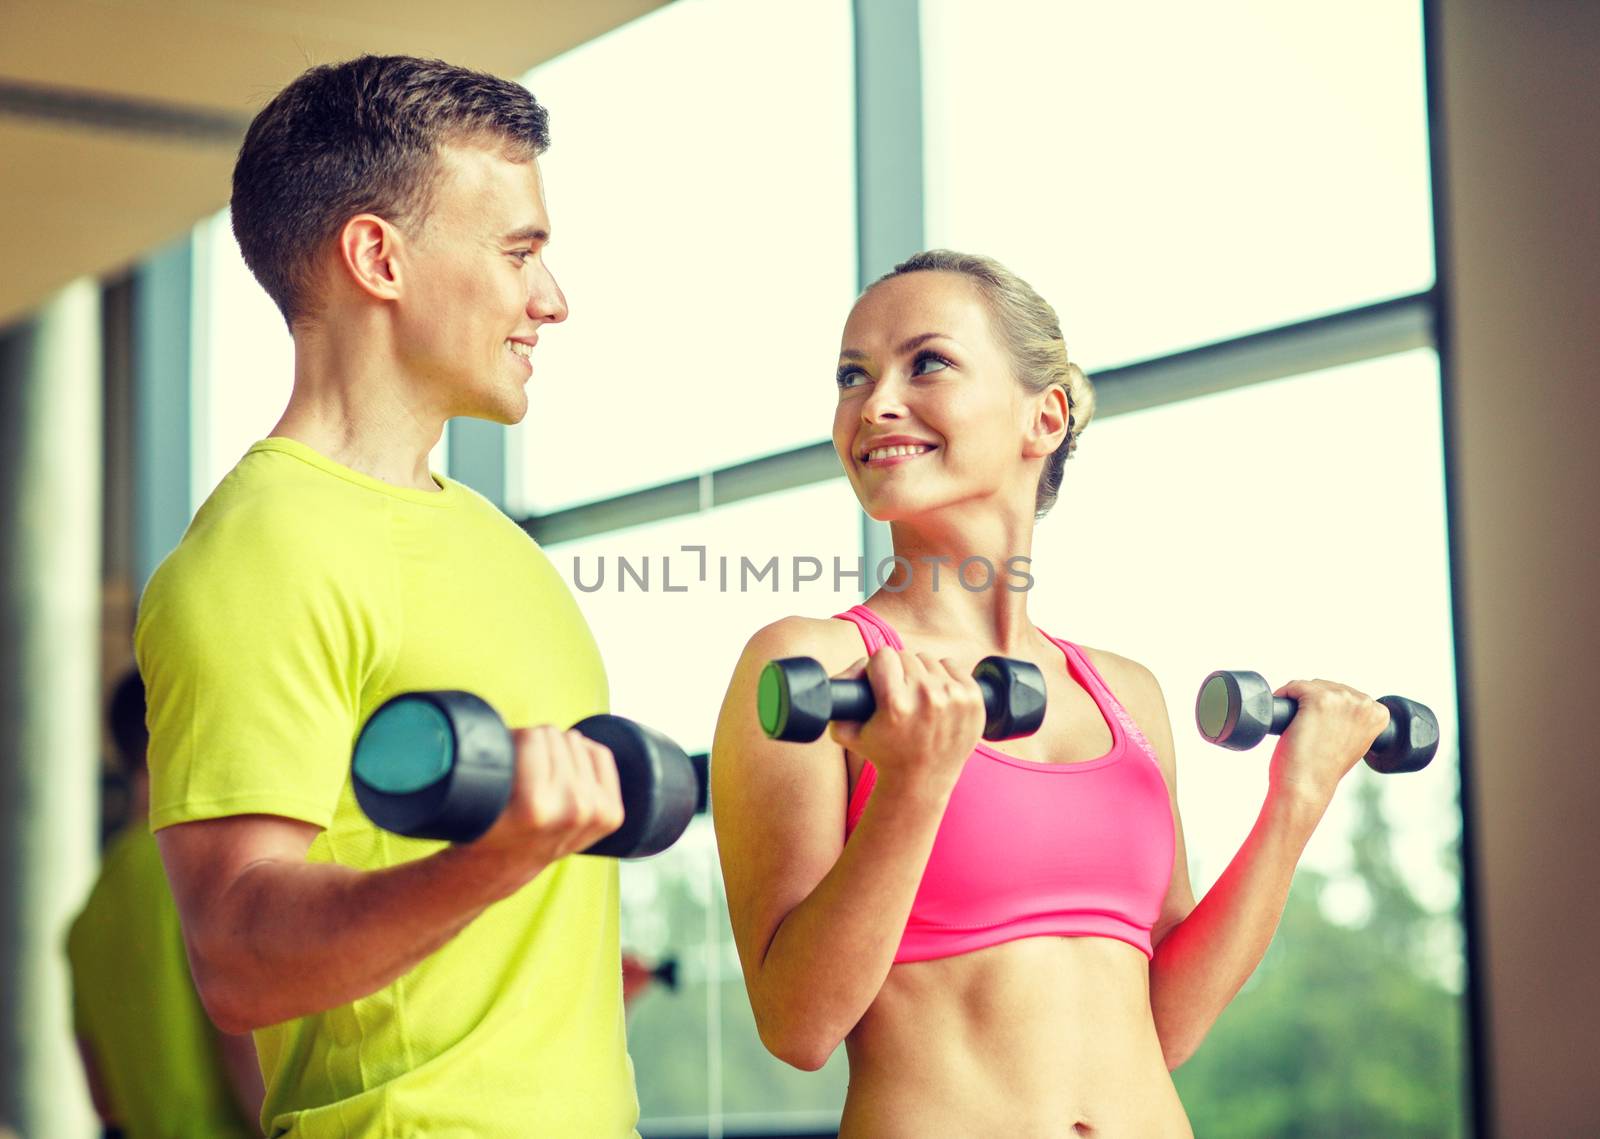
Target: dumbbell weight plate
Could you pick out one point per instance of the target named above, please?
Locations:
(659, 788)
(1234, 709)
(434, 765)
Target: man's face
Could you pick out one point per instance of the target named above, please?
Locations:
(478, 290)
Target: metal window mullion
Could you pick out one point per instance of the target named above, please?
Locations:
(163, 404)
(477, 457)
(1366, 333)
(889, 168)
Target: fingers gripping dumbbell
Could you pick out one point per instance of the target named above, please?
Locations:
(1237, 709)
(797, 698)
(439, 765)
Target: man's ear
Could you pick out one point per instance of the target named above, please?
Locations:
(1047, 429)
(370, 254)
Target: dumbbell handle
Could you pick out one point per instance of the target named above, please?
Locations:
(1285, 707)
(796, 698)
(853, 700)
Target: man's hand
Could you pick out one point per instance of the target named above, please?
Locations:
(241, 881)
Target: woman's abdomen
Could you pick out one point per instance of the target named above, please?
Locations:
(1024, 1038)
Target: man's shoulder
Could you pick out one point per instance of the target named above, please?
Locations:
(269, 497)
(265, 515)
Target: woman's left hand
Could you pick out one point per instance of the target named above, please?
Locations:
(1333, 729)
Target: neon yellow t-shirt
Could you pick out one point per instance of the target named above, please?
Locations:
(303, 595)
(134, 1002)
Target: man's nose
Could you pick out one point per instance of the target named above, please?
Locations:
(546, 302)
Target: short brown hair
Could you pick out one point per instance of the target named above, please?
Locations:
(362, 137)
(1032, 334)
(126, 718)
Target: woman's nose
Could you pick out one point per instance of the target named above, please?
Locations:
(884, 402)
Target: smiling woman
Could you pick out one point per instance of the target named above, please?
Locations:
(999, 910)
(1023, 950)
(1031, 333)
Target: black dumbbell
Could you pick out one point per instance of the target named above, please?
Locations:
(438, 765)
(667, 974)
(796, 698)
(1237, 709)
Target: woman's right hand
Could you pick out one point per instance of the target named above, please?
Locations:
(929, 715)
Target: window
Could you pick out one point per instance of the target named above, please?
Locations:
(669, 656)
(1296, 529)
(702, 195)
(1173, 174)
(243, 360)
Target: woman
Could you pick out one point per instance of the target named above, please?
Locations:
(1005, 938)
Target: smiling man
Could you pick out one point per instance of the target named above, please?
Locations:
(393, 209)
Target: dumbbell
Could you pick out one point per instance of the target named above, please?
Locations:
(796, 698)
(667, 973)
(1236, 709)
(439, 765)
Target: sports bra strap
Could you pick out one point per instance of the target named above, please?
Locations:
(1105, 697)
(877, 634)
(875, 631)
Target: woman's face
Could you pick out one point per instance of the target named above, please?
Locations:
(929, 413)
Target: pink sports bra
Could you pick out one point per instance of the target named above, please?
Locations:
(1030, 849)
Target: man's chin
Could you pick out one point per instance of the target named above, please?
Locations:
(508, 412)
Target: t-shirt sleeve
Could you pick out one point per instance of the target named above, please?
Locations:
(253, 656)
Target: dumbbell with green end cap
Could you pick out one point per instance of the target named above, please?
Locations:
(796, 698)
(439, 765)
(1237, 709)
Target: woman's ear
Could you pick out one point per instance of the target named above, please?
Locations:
(1049, 423)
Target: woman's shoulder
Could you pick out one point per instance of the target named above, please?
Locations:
(1109, 664)
(834, 643)
(1131, 682)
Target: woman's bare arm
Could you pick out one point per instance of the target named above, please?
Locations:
(817, 920)
(1206, 956)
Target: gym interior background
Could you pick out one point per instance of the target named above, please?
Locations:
(1334, 268)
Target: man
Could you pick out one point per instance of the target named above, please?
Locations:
(393, 209)
(155, 1065)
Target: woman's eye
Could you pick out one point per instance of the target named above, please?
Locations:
(850, 378)
(939, 363)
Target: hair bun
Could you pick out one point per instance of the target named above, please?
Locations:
(1080, 393)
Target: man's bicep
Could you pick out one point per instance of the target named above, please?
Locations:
(203, 859)
(253, 675)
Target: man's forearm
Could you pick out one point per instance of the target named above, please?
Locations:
(294, 938)
(1205, 959)
(242, 1069)
(99, 1094)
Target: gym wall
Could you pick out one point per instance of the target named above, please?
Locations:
(1519, 171)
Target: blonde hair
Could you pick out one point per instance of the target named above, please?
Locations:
(1032, 333)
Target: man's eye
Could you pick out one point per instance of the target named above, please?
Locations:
(522, 255)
